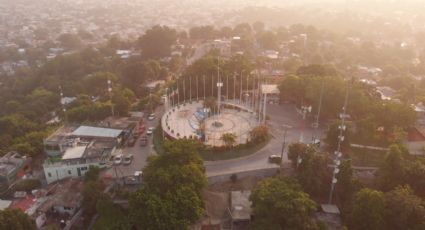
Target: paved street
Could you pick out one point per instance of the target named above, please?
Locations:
(140, 153)
(199, 52)
(281, 116)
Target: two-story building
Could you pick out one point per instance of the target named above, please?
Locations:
(77, 160)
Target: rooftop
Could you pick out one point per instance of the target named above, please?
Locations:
(88, 131)
(61, 134)
(330, 209)
(74, 153)
(240, 205)
(270, 89)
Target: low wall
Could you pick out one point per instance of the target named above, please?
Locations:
(259, 173)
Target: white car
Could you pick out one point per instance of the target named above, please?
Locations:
(275, 159)
(150, 130)
(151, 117)
(118, 159)
(128, 159)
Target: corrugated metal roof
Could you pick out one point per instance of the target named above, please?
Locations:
(88, 131)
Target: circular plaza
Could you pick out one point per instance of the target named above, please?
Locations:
(191, 120)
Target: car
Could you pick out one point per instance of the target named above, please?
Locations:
(132, 141)
(128, 159)
(275, 159)
(151, 117)
(118, 159)
(150, 130)
(144, 141)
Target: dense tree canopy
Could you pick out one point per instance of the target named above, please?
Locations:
(15, 219)
(171, 197)
(157, 41)
(368, 210)
(279, 203)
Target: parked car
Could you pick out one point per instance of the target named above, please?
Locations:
(275, 159)
(132, 141)
(118, 159)
(144, 141)
(151, 117)
(128, 159)
(150, 130)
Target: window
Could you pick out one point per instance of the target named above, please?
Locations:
(83, 168)
(49, 174)
(69, 172)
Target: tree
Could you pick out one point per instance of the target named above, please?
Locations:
(121, 103)
(391, 173)
(368, 210)
(312, 171)
(347, 185)
(332, 135)
(259, 134)
(403, 209)
(92, 191)
(202, 32)
(70, 41)
(15, 219)
(157, 41)
(295, 151)
(112, 217)
(229, 139)
(258, 26)
(268, 40)
(279, 203)
(171, 196)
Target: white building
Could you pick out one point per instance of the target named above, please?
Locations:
(77, 160)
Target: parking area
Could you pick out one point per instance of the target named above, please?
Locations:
(140, 152)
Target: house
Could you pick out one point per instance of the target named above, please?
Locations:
(64, 197)
(330, 215)
(68, 136)
(240, 208)
(387, 93)
(58, 201)
(77, 160)
(11, 165)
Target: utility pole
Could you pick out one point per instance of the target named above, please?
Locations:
(110, 96)
(338, 153)
(63, 105)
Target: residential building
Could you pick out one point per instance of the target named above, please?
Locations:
(11, 165)
(77, 160)
(68, 136)
(240, 208)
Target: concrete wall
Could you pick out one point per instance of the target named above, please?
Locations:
(259, 173)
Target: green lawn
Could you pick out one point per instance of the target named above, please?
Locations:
(212, 155)
(216, 155)
(367, 157)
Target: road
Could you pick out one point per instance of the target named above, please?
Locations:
(199, 52)
(140, 153)
(281, 116)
